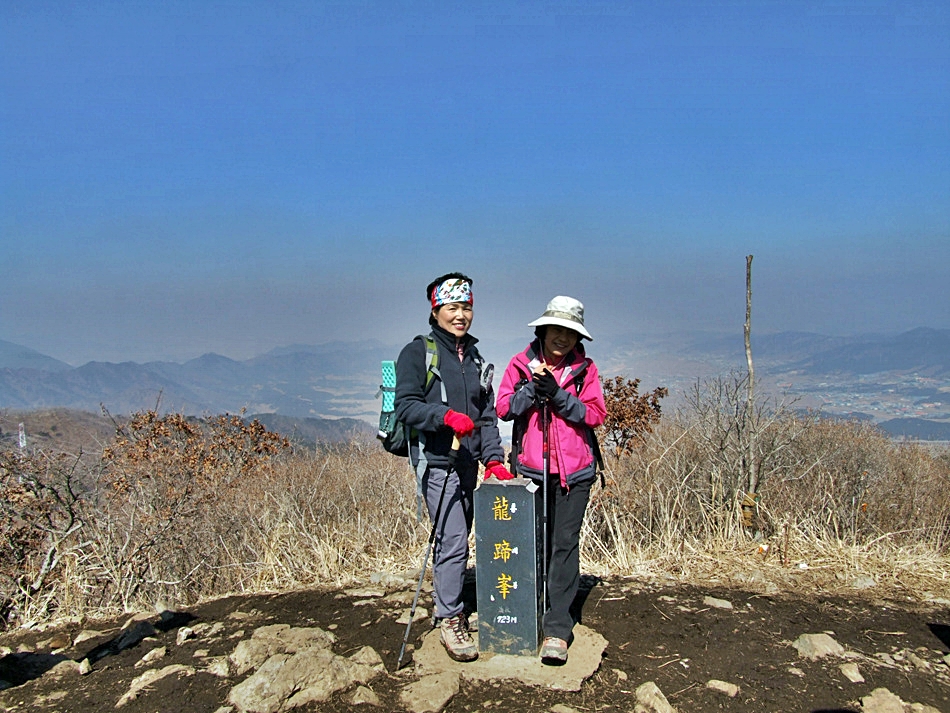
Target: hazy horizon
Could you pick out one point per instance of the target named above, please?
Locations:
(182, 178)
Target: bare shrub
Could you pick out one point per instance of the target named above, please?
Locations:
(822, 483)
(172, 493)
(41, 512)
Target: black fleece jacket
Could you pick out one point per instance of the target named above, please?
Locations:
(426, 412)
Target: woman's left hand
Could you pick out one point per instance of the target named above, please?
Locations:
(495, 469)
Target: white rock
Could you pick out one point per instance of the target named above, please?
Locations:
(430, 693)
(140, 683)
(650, 699)
(184, 634)
(717, 603)
(64, 668)
(87, 634)
(362, 695)
(421, 613)
(218, 666)
(561, 708)
(918, 662)
(277, 638)
(816, 646)
(882, 701)
(369, 657)
(286, 681)
(151, 656)
(851, 672)
(85, 667)
(730, 689)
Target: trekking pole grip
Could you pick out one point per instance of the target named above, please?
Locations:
(453, 454)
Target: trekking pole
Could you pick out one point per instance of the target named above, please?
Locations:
(425, 560)
(545, 473)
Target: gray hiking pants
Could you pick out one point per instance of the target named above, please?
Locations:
(450, 551)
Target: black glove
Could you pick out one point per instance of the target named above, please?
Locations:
(545, 385)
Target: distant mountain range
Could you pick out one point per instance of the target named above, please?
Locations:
(340, 379)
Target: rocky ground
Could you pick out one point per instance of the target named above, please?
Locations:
(642, 646)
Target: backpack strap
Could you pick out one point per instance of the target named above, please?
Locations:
(432, 373)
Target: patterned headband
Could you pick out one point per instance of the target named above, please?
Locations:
(454, 290)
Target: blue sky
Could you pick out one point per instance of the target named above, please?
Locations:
(185, 177)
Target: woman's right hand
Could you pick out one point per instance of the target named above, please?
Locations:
(459, 422)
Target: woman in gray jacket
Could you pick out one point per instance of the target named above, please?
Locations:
(457, 401)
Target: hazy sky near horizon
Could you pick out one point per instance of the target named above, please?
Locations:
(185, 177)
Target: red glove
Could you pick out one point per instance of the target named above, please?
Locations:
(497, 470)
(459, 422)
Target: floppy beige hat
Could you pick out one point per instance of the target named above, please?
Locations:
(564, 312)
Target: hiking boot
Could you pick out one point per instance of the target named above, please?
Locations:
(553, 651)
(457, 641)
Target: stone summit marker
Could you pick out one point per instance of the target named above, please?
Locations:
(508, 567)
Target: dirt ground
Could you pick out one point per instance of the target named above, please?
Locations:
(665, 634)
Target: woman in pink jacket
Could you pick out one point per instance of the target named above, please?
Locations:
(553, 382)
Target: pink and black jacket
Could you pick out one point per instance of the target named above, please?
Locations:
(573, 415)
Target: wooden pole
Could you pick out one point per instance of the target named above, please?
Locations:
(752, 464)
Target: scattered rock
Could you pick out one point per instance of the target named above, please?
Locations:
(421, 613)
(136, 618)
(277, 638)
(650, 699)
(218, 666)
(50, 698)
(200, 654)
(204, 630)
(561, 708)
(368, 657)
(55, 643)
(133, 633)
(244, 616)
(151, 656)
(882, 701)
(64, 668)
(285, 681)
(431, 693)
(365, 593)
(85, 667)
(184, 634)
(621, 675)
(816, 646)
(729, 689)
(362, 695)
(717, 603)
(851, 672)
(918, 662)
(87, 634)
(796, 671)
(141, 683)
(585, 656)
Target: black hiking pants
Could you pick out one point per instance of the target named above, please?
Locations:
(565, 516)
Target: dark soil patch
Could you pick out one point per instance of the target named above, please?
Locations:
(666, 635)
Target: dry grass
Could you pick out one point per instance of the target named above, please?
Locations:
(174, 511)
